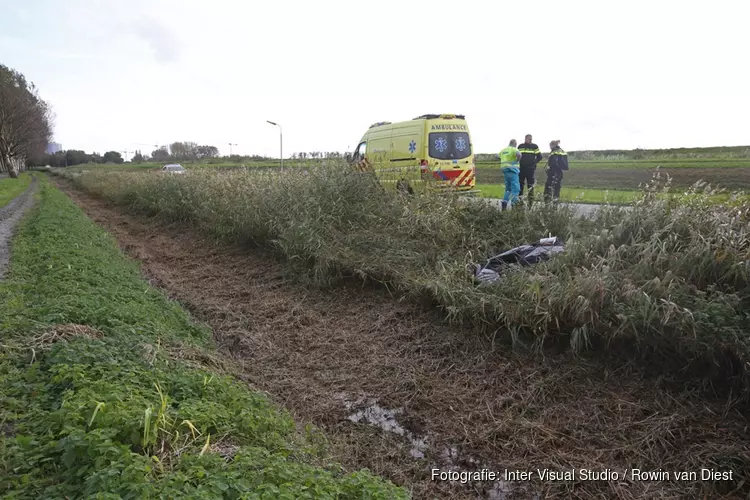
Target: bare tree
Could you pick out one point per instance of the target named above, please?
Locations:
(25, 121)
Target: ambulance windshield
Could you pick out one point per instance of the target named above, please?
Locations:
(449, 145)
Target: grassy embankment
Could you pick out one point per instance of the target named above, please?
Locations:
(10, 188)
(668, 277)
(108, 389)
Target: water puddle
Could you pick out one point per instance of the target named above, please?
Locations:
(384, 418)
(368, 411)
(495, 490)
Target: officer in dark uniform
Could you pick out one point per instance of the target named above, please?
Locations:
(530, 156)
(556, 165)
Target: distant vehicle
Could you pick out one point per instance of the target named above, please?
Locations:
(406, 155)
(173, 168)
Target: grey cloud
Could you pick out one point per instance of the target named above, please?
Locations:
(163, 43)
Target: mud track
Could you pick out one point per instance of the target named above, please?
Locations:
(323, 354)
(10, 215)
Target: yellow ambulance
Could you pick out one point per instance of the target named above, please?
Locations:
(430, 151)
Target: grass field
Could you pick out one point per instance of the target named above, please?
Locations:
(108, 388)
(610, 196)
(663, 286)
(634, 177)
(642, 164)
(10, 188)
(577, 195)
(661, 291)
(690, 154)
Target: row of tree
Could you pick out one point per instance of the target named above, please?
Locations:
(175, 152)
(162, 155)
(25, 122)
(178, 151)
(78, 157)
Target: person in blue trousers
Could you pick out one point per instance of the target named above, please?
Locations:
(510, 158)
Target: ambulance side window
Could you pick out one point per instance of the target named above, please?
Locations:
(360, 152)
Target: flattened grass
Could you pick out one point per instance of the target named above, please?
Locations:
(94, 401)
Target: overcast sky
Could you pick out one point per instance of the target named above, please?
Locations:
(615, 74)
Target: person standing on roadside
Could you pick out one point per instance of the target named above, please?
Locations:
(530, 156)
(509, 164)
(556, 165)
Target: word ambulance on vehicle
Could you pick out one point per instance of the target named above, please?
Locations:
(428, 151)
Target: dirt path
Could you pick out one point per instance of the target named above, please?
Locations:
(343, 357)
(10, 215)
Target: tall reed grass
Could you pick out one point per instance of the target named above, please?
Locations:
(670, 274)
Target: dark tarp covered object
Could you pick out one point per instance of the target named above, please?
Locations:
(524, 255)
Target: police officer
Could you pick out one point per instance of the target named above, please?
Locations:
(530, 156)
(509, 158)
(556, 165)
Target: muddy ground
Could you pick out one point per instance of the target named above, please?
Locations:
(10, 215)
(449, 399)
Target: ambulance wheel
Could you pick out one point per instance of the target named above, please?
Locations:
(403, 186)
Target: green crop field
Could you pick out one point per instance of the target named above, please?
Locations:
(676, 154)
(643, 164)
(631, 178)
(600, 196)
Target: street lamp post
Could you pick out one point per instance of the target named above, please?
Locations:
(281, 143)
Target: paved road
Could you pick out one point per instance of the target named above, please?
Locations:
(583, 209)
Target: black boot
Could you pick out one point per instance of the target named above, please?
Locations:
(504, 205)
